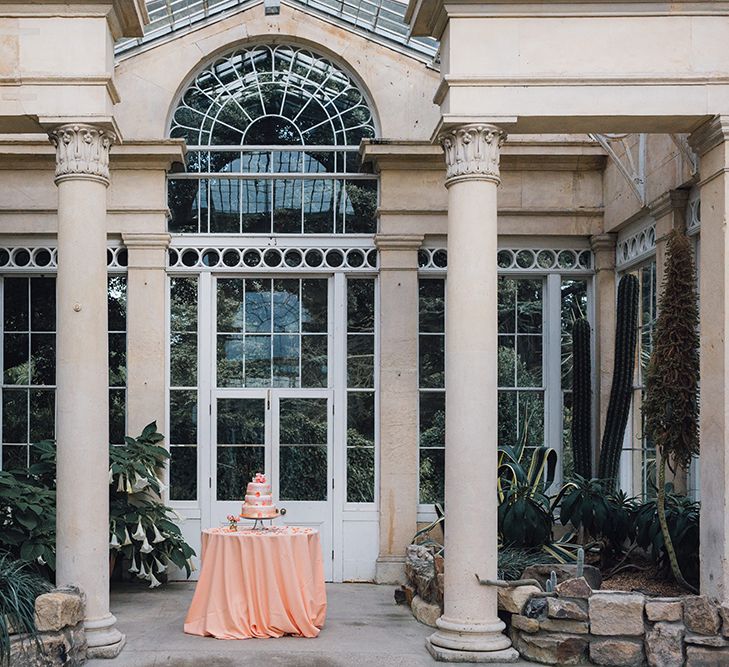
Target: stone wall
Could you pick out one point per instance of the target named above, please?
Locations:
(59, 620)
(576, 625)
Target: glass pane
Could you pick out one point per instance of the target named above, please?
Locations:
(183, 473)
(183, 304)
(258, 361)
(314, 361)
(529, 306)
(204, 209)
(43, 304)
(14, 457)
(432, 361)
(183, 200)
(303, 421)
(318, 198)
(237, 465)
(506, 361)
(508, 418)
(361, 305)
(361, 419)
(15, 359)
(432, 418)
(256, 207)
(529, 361)
(507, 305)
(231, 361)
(286, 306)
(432, 306)
(42, 414)
(183, 360)
(258, 305)
(224, 206)
(230, 298)
(361, 207)
(432, 475)
(117, 359)
(360, 475)
(241, 421)
(287, 207)
(117, 416)
(531, 418)
(303, 473)
(15, 415)
(117, 303)
(183, 417)
(314, 306)
(286, 353)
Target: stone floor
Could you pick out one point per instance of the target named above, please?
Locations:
(364, 628)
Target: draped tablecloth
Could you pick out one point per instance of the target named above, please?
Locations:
(259, 583)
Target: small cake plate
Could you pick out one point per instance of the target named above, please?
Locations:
(258, 524)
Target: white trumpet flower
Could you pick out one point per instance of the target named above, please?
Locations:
(114, 543)
(146, 546)
(134, 567)
(154, 583)
(191, 564)
(127, 540)
(139, 483)
(129, 489)
(111, 476)
(158, 537)
(159, 565)
(120, 485)
(139, 534)
(142, 570)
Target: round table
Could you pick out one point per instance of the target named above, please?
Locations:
(259, 583)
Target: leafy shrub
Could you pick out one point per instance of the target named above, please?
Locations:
(19, 587)
(525, 517)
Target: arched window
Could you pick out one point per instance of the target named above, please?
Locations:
(273, 134)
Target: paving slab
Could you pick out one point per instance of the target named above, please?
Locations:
(364, 628)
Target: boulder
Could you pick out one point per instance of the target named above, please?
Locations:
(663, 609)
(57, 610)
(569, 626)
(724, 613)
(552, 649)
(569, 571)
(536, 607)
(574, 588)
(514, 598)
(523, 623)
(426, 612)
(616, 613)
(700, 615)
(705, 640)
(567, 608)
(703, 656)
(420, 570)
(617, 652)
(664, 644)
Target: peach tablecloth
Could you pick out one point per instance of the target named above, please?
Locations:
(259, 584)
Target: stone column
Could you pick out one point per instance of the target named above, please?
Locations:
(470, 629)
(603, 249)
(398, 401)
(82, 369)
(710, 143)
(146, 329)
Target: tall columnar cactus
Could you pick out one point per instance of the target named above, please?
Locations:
(620, 392)
(581, 398)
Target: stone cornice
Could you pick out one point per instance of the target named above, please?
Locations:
(668, 202)
(82, 151)
(146, 241)
(385, 242)
(472, 151)
(710, 135)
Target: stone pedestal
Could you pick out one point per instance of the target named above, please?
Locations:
(710, 142)
(82, 369)
(470, 629)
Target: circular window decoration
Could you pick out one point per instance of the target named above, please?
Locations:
(21, 257)
(251, 258)
(335, 258)
(293, 258)
(231, 258)
(172, 257)
(190, 257)
(272, 258)
(41, 257)
(267, 94)
(4, 257)
(211, 257)
(355, 258)
(314, 258)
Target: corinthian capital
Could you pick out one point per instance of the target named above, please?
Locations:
(472, 151)
(82, 151)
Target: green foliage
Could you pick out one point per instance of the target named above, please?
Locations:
(682, 517)
(513, 561)
(622, 385)
(671, 405)
(582, 398)
(19, 587)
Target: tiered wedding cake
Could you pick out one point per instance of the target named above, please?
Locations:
(259, 501)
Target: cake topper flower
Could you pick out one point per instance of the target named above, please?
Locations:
(260, 478)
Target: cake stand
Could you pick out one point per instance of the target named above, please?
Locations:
(258, 524)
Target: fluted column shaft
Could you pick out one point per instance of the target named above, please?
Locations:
(82, 404)
(470, 627)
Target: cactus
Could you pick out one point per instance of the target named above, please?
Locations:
(622, 386)
(580, 570)
(581, 398)
(551, 583)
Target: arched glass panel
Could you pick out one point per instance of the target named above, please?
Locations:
(273, 95)
(273, 136)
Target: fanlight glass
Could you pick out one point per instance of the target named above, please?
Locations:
(273, 95)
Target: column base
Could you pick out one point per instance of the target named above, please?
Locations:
(456, 641)
(102, 638)
(390, 570)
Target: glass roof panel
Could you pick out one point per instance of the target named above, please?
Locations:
(382, 18)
